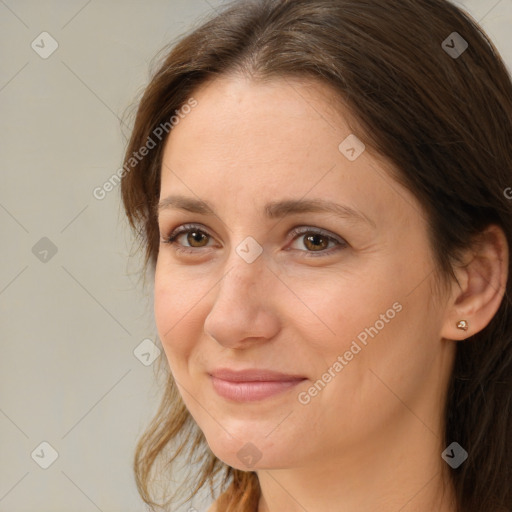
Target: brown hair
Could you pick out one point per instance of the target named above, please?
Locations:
(444, 122)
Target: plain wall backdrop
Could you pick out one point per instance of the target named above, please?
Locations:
(76, 386)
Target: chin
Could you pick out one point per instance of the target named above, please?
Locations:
(254, 452)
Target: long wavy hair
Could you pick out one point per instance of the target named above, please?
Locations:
(443, 119)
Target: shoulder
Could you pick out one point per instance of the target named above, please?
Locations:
(213, 508)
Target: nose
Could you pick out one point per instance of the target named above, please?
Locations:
(243, 311)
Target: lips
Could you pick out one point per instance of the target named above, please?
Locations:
(254, 375)
(251, 385)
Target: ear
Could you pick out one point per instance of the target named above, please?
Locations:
(482, 283)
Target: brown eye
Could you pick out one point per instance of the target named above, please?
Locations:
(187, 238)
(196, 238)
(316, 242)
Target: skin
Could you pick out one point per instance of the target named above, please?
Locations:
(371, 439)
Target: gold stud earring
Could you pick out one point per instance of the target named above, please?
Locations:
(463, 324)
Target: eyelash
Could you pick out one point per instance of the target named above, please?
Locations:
(296, 232)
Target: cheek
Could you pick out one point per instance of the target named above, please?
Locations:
(339, 306)
(177, 307)
(178, 294)
(369, 319)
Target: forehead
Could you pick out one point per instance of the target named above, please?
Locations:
(249, 141)
(266, 117)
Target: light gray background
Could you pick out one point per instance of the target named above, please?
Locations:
(69, 325)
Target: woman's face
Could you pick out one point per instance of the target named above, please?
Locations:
(294, 252)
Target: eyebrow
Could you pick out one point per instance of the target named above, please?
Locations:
(273, 210)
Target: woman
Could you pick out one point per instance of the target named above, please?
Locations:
(322, 198)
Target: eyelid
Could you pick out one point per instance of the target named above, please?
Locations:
(302, 230)
(182, 229)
